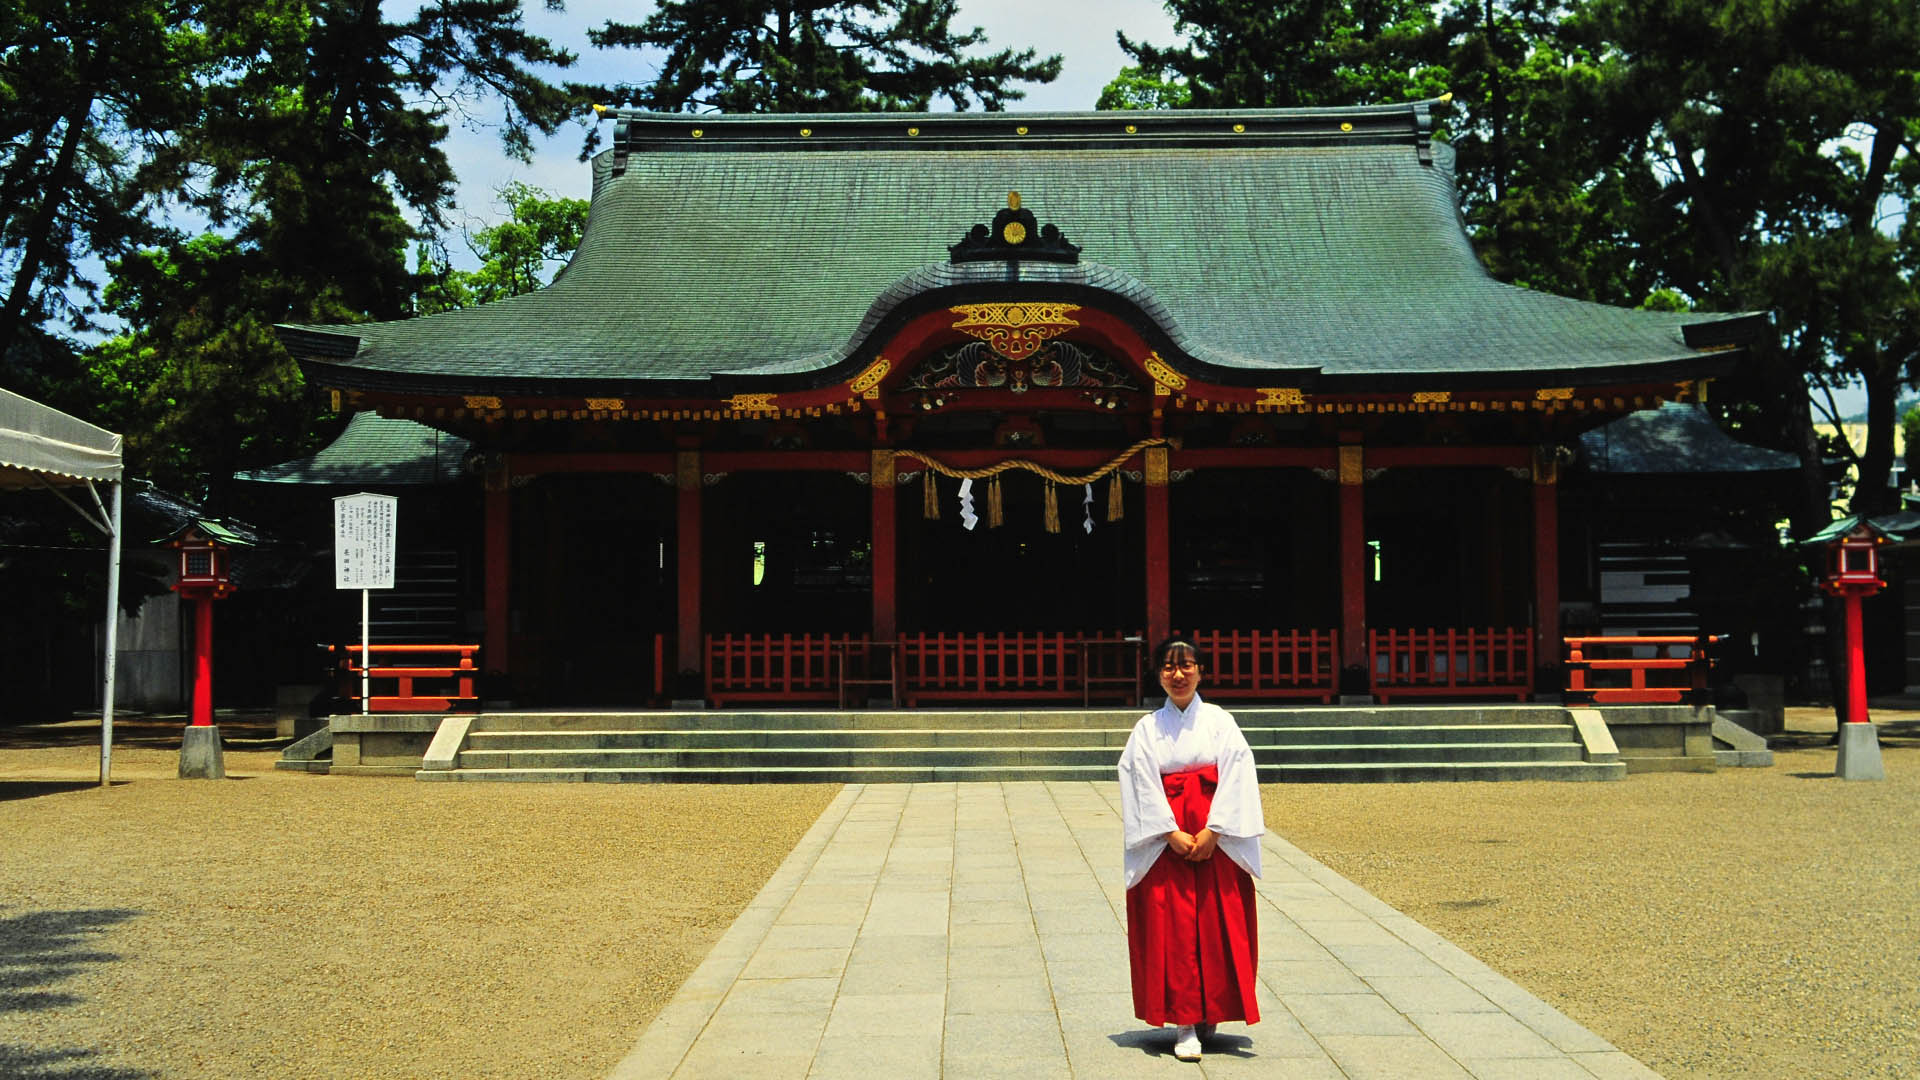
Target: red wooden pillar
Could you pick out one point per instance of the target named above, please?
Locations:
(885, 621)
(1546, 561)
(497, 530)
(1856, 661)
(202, 715)
(687, 555)
(1159, 593)
(1353, 561)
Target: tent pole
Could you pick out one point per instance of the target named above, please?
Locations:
(113, 628)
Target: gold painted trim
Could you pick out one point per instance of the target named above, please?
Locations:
(882, 473)
(1165, 378)
(481, 401)
(606, 404)
(686, 470)
(1351, 471)
(1432, 397)
(1015, 331)
(1156, 466)
(1557, 393)
(1274, 396)
(867, 383)
(752, 403)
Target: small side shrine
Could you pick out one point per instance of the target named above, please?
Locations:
(966, 407)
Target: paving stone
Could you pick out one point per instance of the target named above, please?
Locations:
(1525, 1069)
(1430, 994)
(1001, 996)
(1391, 1057)
(996, 961)
(1614, 1065)
(1390, 959)
(876, 1055)
(966, 936)
(1351, 931)
(1311, 977)
(795, 963)
(1483, 1035)
(897, 1018)
(1326, 1015)
(916, 932)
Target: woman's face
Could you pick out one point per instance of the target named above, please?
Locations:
(1179, 676)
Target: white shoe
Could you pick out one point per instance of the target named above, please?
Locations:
(1186, 1043)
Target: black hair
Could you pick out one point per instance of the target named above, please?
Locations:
(1166, 648)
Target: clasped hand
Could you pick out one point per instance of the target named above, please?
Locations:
(1193, 847)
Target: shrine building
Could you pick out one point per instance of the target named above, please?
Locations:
(966, 407)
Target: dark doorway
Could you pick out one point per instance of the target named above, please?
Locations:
(1448, 549)
(1254, 549)
(592, 585)
(787, 552)
(1020, 576)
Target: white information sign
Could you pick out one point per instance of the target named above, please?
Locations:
(364, 539)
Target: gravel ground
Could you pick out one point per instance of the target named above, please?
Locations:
(1753, 922)
(286, 925)
(1742, 923)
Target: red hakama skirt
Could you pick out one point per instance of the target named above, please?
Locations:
(1192, 937)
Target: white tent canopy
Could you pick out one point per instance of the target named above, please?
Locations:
(42, 447)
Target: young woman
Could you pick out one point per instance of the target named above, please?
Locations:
(1190, 811)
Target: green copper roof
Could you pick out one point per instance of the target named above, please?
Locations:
(1677, 437)
(374, 450)
(776, 246)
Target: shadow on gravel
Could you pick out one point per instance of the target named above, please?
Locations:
(33, 789)
(41, 948)
(20, 1063)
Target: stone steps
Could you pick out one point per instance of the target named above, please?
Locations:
(1336, 745)
(1309, 774)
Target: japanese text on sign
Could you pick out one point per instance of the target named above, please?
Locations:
(364, 538)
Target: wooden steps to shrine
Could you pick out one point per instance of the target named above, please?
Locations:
(1319, 744)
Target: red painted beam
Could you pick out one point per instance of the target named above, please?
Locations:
(885, 618)
(687, 467)
(1546, 566)
(497, 528)
(1353, 559)
(1159, 573)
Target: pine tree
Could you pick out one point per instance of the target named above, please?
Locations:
(796, 56)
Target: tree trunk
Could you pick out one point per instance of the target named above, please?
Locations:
(39, 236)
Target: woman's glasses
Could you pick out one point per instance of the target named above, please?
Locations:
(1180, 665)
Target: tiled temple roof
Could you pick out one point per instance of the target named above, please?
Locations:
(1281, 245)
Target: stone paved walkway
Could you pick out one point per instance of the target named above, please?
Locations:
(979, 930)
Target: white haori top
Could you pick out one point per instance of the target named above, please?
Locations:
(1171, 740)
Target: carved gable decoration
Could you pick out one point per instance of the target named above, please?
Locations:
(1015, 234)
(1056, 365)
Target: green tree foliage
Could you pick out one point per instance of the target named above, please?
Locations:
(90, 91)
(1781, 179)
(516, 256)
(801, 56)
(1242, 54)
(312, 161)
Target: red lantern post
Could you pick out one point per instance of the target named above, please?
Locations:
(204, 578)
(1853, 574)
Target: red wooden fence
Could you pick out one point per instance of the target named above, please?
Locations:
(775, 667)
(1030, 665)
(1255, 664)
(1479, 662)
(1638, 670)
(452, 676)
